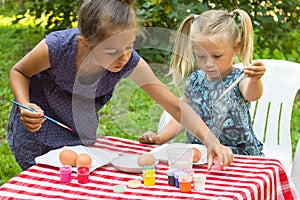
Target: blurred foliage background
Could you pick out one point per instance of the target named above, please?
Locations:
(276, 22)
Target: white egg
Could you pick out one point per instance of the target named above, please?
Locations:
(146, 159)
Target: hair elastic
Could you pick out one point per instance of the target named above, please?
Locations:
(127, 2)
(232, 14)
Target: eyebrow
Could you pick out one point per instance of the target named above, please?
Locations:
(111, 49)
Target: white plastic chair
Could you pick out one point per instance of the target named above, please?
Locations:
(271, 114)
(296, 168)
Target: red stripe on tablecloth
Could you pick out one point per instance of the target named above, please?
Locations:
(272, 177)
(30, 193)
(257, 158)
(287, 191)
(284, 182)
(271, 165)
(86, 195)
(211, 179)
(124, 148)
(105, 182)
(238, 159)
(164, 180)
(102, 174)
(108, 176)
(123, 142)
(244, 174)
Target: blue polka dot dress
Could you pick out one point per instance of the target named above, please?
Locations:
(61, 95)
(229, 118)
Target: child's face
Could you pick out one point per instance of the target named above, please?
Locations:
(111, 54)
(117, 50)
(215, 56)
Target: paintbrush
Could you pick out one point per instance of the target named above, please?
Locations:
(231, 87)
(45, 116)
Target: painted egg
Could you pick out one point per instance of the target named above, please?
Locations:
(197, 155)
(146, 159)
(68, 157)
(83, 160)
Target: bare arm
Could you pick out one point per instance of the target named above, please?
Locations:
(252, 87)
(181, 112)
(172, 129)
(34, 62)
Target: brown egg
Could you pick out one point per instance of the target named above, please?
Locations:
(68, 157)
(197, 155)
(146, 159)
(83, 160)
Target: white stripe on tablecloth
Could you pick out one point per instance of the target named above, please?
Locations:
(224, 177)
(116, 181)
(231, 180)
(6, 195)
(126, 145)
(257, 169)
(154, 194)
(108, 177)
(112, 182)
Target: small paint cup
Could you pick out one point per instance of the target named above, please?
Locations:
(83, 175)
(65, 174)
(199, 182)
(185, 183)
(149, 177)
(171, 176)
(176, 176)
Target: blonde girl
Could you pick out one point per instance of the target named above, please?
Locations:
(214, 39)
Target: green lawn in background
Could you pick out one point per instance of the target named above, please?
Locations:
(139, 113)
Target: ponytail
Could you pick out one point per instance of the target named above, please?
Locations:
(182, 62)
(246, 38)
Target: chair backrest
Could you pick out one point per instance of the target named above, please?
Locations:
(271, 114)
(296, 168)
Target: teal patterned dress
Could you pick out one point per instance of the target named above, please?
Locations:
(229, 119)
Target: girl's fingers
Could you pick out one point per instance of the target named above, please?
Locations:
(220, 159)
(254, 74)
(147, 137)
(227, 160)
(33, 128)
(209, 161)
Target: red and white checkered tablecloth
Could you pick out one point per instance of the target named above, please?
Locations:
(248, 177)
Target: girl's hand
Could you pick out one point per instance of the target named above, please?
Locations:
(219, 153)
(256, 70)
(32, 120)
(149, 137)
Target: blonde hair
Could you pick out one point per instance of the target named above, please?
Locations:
(100, 19)
(207, 24)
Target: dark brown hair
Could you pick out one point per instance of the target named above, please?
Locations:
(100, 19)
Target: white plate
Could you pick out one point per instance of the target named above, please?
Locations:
(128, 163)
(99, 156)
(160, 152)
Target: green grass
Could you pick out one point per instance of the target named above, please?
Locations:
(139, 113)
(15, 42)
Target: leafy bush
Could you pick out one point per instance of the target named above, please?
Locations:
(274, 21)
